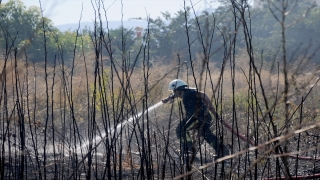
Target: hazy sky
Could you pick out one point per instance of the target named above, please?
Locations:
(69, 11)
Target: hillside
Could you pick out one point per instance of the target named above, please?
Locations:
(111, 24)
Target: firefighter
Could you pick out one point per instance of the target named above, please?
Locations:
(197, 116)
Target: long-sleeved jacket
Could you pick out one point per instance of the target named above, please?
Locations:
(194, 105)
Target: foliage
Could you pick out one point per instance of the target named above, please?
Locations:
(166, 34)
(169, 37)
(25, 30)
(301, 30)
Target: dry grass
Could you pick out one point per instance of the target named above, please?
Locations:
(158, 76)
(59, 98)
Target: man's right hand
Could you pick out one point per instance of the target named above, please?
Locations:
(170, 99)
(165, 100)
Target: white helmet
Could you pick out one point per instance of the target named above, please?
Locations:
(177, 84)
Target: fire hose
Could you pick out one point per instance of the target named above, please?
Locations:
(237, 133)
(244, 138)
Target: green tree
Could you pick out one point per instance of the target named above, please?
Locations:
(301, 30)
(168, 37)
(27, 31)
(19, 24)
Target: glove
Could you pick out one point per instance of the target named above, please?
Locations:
(165, 100)
(170, 98)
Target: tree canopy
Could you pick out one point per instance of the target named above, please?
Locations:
(183, 33)
(26, 30)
